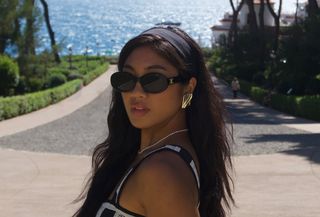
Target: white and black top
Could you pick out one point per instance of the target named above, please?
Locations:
(112, 208)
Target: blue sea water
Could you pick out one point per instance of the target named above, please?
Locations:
(103, 26)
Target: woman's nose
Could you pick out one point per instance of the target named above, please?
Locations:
(138, 90)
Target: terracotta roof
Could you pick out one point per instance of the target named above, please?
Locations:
(220, 28)
(228, 20)
(288, 16)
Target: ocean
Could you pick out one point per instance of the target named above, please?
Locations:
(104, 26)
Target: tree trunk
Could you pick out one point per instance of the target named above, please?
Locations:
(3, 43)
(233, 32)
(253, 26)
(29, 40)
(261, 14)
(262, 35)
(50, 31)
(17, 30)
(312, 8)
(296, 13)
(277, 24)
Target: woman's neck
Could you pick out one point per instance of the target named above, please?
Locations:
(160, 142)
(153, 135)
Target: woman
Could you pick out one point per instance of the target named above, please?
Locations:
(167, 152)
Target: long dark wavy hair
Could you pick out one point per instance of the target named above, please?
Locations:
(207, 131)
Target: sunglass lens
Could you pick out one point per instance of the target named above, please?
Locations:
(154, 83)
(123, 81)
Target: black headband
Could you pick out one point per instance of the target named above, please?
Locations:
(184, 49)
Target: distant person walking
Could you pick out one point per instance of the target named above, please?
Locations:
(235, 87)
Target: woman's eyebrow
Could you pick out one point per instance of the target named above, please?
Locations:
(128, 66)
(156, 67)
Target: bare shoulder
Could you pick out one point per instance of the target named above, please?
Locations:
(168, 187)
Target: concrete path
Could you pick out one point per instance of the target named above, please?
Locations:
(277, 167)
(42, 184)
(277, 185)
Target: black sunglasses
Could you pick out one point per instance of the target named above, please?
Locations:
(151, 83)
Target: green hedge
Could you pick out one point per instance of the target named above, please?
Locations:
(285, 103)
(18, 105)
(309, 107)
(95, 73)
(256, 93)
(259, 94)
(303, 106)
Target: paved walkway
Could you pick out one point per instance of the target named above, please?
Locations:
(59, 110)
(277, 162)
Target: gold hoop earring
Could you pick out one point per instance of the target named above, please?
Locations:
(186, 100)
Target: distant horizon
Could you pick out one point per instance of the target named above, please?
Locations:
(105, 25)
(287, 5)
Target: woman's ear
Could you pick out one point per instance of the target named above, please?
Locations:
(191, 85)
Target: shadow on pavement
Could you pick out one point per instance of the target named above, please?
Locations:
(306, 145)
(246, 112)
(243, 111)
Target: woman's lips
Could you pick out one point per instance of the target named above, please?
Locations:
(139, 110)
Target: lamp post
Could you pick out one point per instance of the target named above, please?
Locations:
(98, 51)
(282, 67)
(86, 55)
(273, 57)
(70, 55)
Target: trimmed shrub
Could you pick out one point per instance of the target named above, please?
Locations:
(95, 73)
(9, 75)
(309, 107)
(57, 70)
(35, 84)
(56, 80)
(18, 105)
(284, 103)
(302, 106)
(74, 76)
(258, 94)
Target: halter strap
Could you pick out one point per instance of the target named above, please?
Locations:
(184, 154)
